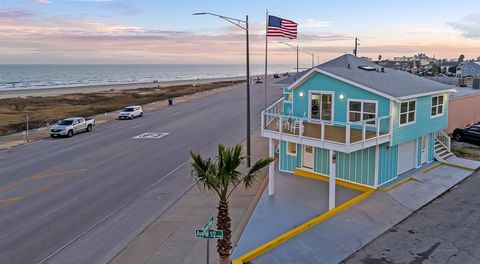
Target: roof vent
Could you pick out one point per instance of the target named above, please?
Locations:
(367, 68)
(383, 69)
(348, 66)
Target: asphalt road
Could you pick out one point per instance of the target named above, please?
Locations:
(82, 199)
(444, 231)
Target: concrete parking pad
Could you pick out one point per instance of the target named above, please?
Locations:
(341, 235)
(296, 200)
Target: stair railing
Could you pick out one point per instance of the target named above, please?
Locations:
(443, 138)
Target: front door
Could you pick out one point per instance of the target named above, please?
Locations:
(307, 161)
(321, 106)
(424, 151)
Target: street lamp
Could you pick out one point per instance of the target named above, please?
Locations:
(295, 48)
(313, 56)
(243, 24)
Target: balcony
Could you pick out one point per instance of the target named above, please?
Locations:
(341, 136)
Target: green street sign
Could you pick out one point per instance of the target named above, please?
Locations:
(209, 223)
(216, 234)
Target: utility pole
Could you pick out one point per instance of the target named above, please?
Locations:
(356, 47)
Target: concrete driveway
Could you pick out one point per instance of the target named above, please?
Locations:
(444, 231)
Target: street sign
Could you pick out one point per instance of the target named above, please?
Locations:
(215, 234)
(209, 223)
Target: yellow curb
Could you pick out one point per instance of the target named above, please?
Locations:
(399, 183)
(300, 229)
(432, 167)
(458, 166)
(322, 177)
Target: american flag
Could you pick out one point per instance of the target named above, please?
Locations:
(279, 27)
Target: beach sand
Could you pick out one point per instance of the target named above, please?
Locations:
(101, 88)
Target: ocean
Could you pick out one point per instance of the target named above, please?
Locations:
(34, 76)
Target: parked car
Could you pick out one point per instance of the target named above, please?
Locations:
(130, 112)
(258, 80)
(468, 134)
(71, 126)
(276, 76)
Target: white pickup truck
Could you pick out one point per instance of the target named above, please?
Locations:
(73, 125)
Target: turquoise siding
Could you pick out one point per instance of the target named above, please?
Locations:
(289, 162)
(320, 82)
(321, 160)
(358, 166)
(287, 107)
(423, 123)
(387, 163)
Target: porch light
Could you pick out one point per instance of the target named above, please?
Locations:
(341, 96)
(301, 94)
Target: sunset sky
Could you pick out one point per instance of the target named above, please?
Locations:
(141, 31)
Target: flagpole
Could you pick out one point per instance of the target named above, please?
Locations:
(266, 55)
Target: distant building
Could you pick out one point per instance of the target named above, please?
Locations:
(367, 58)
(469, 68)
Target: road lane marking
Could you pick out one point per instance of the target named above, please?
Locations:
(111, 213)
(151, 135)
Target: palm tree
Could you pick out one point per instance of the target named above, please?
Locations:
(222, 176)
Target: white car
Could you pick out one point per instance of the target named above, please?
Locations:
(130, 112)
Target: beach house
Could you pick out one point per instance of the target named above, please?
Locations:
(354, 121)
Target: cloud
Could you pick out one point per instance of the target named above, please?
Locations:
(313, 24)
(469, 26)
(42, 1)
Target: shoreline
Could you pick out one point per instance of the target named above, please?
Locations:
(29, 92)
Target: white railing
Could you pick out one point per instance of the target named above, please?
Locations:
(353, 132)
(443, 138)
(274, 109)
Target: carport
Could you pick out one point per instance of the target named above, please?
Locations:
(296, 201)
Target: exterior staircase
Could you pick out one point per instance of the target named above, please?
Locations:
(442, 147)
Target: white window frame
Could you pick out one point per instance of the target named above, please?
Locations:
(288, 149)
(442, 104)
(320, 92)
(408, 111)
(361, 101)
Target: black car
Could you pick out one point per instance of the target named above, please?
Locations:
(468, 134)
(276, 76)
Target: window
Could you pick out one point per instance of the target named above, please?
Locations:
(437, 106)
(407, 112)
(359, 110)
(289, 97)
(292, 148)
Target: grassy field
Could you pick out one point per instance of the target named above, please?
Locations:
(13, 111)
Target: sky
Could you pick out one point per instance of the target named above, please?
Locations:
(166, 32)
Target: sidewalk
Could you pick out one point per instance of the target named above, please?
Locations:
(341, 235)
(171, 238)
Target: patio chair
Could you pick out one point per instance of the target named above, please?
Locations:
(297, 124)
(285, 123)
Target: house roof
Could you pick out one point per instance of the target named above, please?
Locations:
(392, 84)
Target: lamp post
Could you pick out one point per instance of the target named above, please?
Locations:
(313, 57)
(295, 48)
(243, 24)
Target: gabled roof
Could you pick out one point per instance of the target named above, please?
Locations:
(392, 84)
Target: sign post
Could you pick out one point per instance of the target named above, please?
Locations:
(208, 234)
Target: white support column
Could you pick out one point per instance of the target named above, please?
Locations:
(331, 183)
(377, 153)
(271, 167)
(347, 134)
